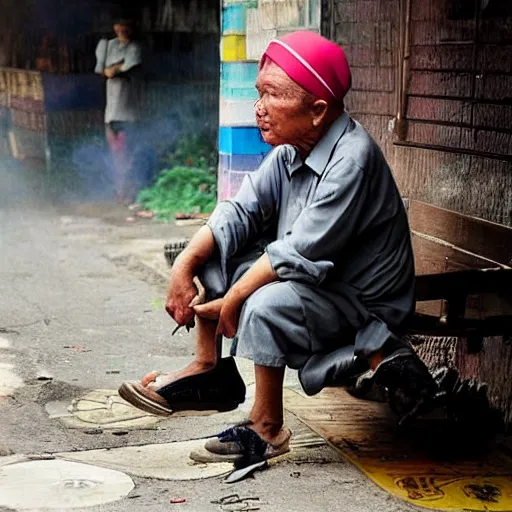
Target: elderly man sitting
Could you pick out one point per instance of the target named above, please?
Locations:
(310, 266)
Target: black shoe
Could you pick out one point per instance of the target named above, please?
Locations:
(410, 387)
(219, 389)
(365, 387)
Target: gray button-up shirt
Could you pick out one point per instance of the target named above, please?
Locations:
(335, 221)
(123, 92)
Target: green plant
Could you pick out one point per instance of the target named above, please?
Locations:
(180, 189)
(197, 151)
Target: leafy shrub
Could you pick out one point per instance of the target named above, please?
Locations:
(194, 151)
(180, 189)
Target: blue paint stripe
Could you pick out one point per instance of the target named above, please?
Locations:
(239, 72)
(238, 91)
(234, 19)
(242, 141)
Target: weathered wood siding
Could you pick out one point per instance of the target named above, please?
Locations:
(457, 150)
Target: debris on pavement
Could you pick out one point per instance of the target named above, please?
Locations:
(78, 348)
(119, 432)
(234, 503)
(43, 375)
(93, 431)
(178, 500)
(157, 303)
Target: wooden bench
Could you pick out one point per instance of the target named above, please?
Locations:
(464, 278)
(490, 289)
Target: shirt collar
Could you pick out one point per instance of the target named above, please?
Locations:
(319, 158)
(296, 162)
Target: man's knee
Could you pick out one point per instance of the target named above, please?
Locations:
(272, 328)
(273, 302)
(213, 279)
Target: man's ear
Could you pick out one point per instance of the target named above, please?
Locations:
(319, 111)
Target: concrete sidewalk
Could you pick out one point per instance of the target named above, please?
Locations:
(82, 294)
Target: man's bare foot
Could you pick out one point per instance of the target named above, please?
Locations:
(269, 429)
(272, 436)
(156, 380)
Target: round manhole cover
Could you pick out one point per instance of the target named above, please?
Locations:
(59, 484)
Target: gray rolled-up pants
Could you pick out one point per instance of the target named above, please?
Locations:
(282, 323)
(288, 323)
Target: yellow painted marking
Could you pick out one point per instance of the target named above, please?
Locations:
(363, 432)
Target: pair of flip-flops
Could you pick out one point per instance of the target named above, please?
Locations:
(219, 389)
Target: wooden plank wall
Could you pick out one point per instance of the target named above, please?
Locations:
(368, 32)
(460, 88)
(459, 98)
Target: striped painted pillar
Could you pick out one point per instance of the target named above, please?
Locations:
(247, 27)
(240, 145)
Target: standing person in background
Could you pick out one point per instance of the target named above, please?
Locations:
(120, 61)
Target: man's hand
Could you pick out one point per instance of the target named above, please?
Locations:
(230, 314)
(109, 72)
(182, 289)
(180, 294)
(112, 70)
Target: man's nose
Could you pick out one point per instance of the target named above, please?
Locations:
(258, 107)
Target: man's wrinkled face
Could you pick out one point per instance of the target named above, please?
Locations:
(283, 111)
